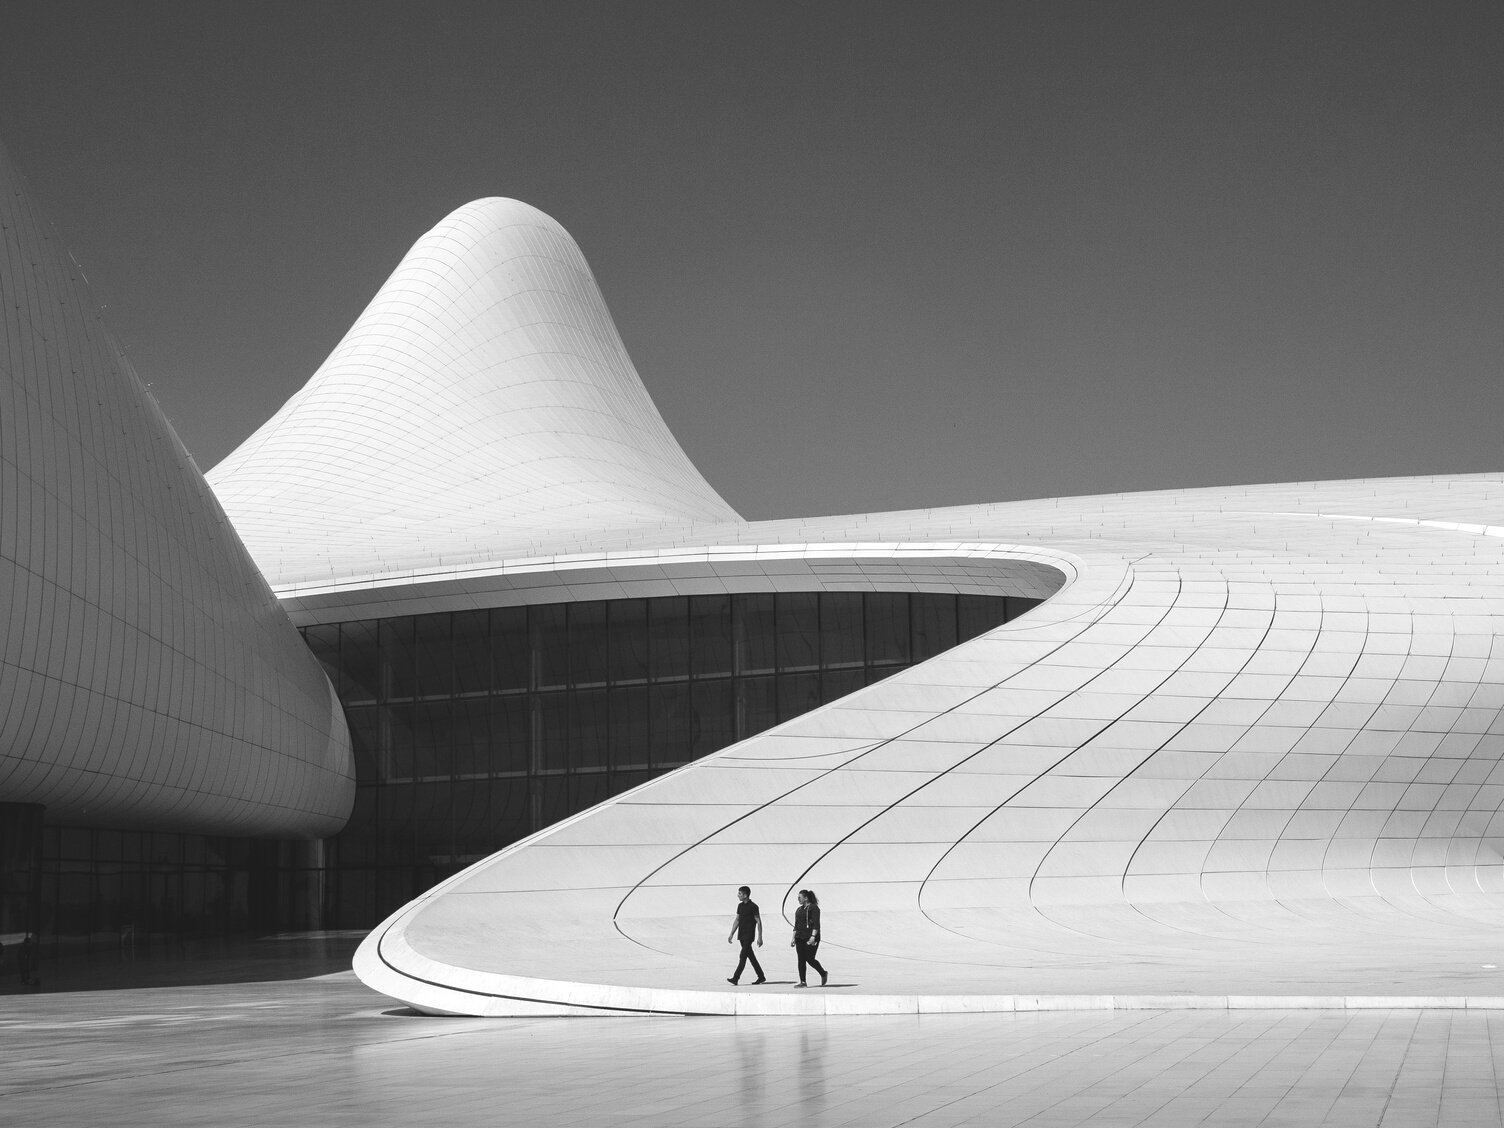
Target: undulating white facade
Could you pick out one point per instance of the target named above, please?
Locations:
(482, 406)
(1250, 746)
(148, 678)
(1251, 742)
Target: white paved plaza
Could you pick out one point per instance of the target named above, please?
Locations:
(329, 1051)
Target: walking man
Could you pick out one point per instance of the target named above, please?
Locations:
(746, 926)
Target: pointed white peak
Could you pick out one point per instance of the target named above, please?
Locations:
(483, 405)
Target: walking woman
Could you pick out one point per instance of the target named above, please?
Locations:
(806, 940)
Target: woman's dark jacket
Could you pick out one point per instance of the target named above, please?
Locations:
(806, 922)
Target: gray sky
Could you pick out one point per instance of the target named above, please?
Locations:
(866, 256)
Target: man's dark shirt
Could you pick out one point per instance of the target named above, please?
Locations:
(746, 921)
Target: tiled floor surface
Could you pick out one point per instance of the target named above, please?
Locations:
(328, 1051)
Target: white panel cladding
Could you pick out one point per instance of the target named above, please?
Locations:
(147, 676)
(1264, 713)
(1257, 731)
(482, 406)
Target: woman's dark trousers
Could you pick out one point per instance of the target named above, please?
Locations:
(806, 954)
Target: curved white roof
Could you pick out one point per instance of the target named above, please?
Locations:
(147, 675)
(1252, 745)
(482, 406)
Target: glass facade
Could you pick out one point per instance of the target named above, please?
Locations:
(473, 729)
(102, 891)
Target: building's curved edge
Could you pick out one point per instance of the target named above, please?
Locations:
(500, 996)
(1227, 551)
(981, 567)
(149, 679)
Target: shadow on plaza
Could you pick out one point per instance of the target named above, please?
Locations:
(188, 962)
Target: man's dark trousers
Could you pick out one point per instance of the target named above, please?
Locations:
(747, 954)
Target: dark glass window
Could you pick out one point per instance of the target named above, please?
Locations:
(588, 728)
(798, 616)
(433, 649)
(589, 789)
(471, 738)
(668, 638)
(399, 742)
(394, 812)
(710, 635)
(797, 694)
(587, 644)
(550, 800)
(511, 735)
(978, 614)
(1018, 604)
(670, 721)
(357, 843)
(629, 639)
(360, 663)
(756, 638)
(756, 706)
(550, 644)
(511, 655)
(713, 724)
(399, 671)
(630, 743)
(835, 684)
(841, 628)
(472, 652)
(510, 814)
(433, 740)
(433, 821)
(551, 734)
(472, 821)
(933, 618)
(887, 627)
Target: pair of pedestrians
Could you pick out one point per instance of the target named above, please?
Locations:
(746, 926)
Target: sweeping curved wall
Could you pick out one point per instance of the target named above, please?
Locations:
(1258, 727)
(1254, 738)
(148, 677)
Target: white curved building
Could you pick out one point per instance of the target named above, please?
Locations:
(148, 678)
(1248, 744)
(1252, 743)
(1250, 733)
(481, 406)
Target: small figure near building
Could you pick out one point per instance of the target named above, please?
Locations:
(806, 941)
(746, 926)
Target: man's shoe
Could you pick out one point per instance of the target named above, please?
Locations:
(824, 979)
(756, 982)
(801, 984)
(732, 982)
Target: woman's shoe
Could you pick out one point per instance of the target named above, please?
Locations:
(824, 978)
(801, 984)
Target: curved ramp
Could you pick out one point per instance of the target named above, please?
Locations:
(1252, 748)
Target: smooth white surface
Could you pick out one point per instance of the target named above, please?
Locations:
(147, 675)
(326, 1049)
(482, 406)
(1250, 749)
